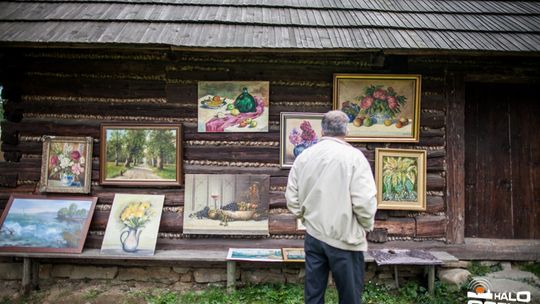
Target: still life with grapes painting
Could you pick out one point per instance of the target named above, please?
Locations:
(133, 225)
(380, 108)
(35, 223)
(66, 164)
(227, 204)
(401, 179)
(233, 106)
(299, 131)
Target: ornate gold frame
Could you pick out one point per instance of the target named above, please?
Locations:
(420, 155)
(47, 141)
(415, 136)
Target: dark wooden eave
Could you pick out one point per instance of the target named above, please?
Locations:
(428, 25)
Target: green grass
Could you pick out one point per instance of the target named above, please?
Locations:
(114, 171)
(533, 267)
(411, 293)
(168, 172)
(477, 269)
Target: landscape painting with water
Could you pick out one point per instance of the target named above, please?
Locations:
(140, 154)
(46, 224)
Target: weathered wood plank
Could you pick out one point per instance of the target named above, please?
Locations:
(398, 226)
(430, 226)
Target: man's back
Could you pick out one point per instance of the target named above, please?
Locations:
(327, 180)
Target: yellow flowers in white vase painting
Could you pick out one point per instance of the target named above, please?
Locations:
(133, 225)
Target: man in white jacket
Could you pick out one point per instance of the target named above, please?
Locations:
(332, 190)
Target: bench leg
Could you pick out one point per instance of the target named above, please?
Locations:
(431, 279)
(396, 277)
(231, 276)
(35, 275)
(27, 276)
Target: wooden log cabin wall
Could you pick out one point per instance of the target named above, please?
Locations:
(70, 92)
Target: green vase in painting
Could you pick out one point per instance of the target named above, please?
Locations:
(245, 103)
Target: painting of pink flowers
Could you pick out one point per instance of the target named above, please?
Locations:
(299, 131)
(381, 108)
(66, 164)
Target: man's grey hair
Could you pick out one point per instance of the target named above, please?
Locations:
(335, 123)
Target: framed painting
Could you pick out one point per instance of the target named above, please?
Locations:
(141, 154)
(401, 179)
(230, 204)
(293, 254)
(133, 225)
(381, 108)
(298, 131)
(255, 254)
(38, 223)
(233, 106)
(66, 164)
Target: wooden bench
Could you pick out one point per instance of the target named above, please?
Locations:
(30, 272)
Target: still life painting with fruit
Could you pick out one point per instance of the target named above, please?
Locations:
(226, 204)
(379, 107)
(233, 106)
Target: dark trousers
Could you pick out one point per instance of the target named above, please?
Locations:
(347, 271)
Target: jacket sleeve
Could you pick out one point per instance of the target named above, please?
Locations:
(291, 194)
(363, 194)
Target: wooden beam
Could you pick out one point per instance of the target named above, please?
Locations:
(455, 144)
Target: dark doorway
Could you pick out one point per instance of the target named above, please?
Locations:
(502, 161)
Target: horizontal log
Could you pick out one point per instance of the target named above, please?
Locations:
(434, 204)
(430, 225)
(435, 182)
(436, 164)
(91, 87)
(434, 120)
(8, 179)
(433, 102)
(398, 226)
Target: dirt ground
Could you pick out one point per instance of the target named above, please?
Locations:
(87, 292)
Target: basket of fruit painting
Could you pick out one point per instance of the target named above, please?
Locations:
(382, 108)
(233, 106)
(226, 204)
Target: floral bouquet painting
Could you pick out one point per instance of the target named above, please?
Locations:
(381, 108)
(133, 224)
(66, 164)
(299, 131)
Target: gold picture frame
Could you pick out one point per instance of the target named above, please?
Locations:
(400, 175)
(66, 165)
(381, 108)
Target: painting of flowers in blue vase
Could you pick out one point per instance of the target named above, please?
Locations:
(299, 131)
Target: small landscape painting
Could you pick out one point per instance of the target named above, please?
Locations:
(233, 106)
(66, 164)
(293, 254)
(140, 155)
(299, 131)
(381, 108)
(401, 179)
(255, 254)
(33, 223)
(226, 204)
(133, 225)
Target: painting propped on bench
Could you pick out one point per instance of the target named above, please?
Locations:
(133, 225)
(226, 204)
(37, 223)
